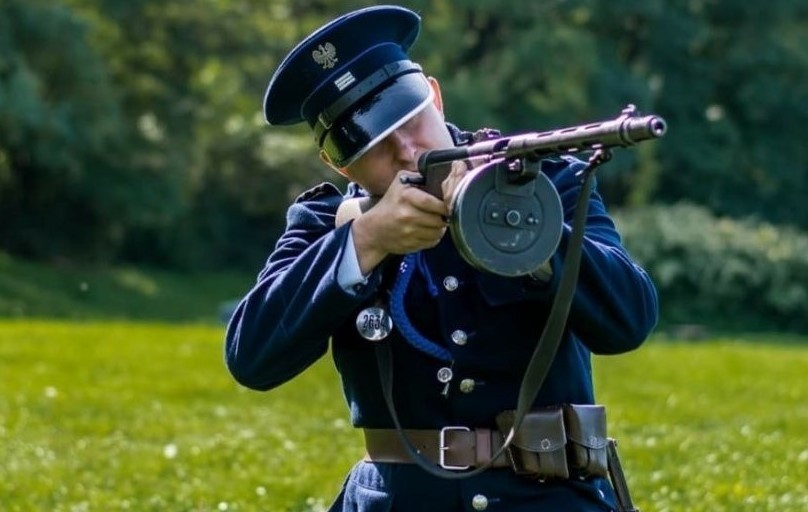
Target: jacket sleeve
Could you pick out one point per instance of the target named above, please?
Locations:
(283, 324)
(615, 305)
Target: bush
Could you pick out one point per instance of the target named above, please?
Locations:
(729, 274)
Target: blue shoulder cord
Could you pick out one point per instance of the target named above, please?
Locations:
(399, 315)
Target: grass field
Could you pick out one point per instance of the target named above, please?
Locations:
(89, 292)
(144, 417)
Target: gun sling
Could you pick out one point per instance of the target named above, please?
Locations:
(542, 357)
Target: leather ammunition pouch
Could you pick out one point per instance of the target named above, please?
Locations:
(538, 449)
(558, 442)
(586, 437)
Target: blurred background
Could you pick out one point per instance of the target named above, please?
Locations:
(131, 131)
(141, 192)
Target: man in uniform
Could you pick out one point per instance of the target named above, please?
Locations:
(460, 338)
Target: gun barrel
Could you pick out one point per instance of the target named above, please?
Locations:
(615, 133)
(626, 130)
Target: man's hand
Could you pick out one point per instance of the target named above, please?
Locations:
(449, 185)
(406, 219)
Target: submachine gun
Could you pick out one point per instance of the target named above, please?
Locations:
(506, 214)
(507, 219)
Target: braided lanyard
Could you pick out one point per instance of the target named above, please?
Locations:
(400, 319)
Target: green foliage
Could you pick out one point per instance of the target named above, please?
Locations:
(508, 67)
(132, 130)
(729, 76)
(735, 274)
(59, 118)
(112, 416)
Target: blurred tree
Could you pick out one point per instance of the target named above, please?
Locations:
(524, 65)
(729, 76)
(133, 128)
(175, 164)
(507, 64)
(69, 170)
(192, 75)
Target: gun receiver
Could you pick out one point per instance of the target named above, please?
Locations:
(628, 129)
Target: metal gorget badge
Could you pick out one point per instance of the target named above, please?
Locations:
(374, 323)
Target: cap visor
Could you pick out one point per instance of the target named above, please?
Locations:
(375, 117)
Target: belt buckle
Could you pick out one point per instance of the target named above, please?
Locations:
(443, 447)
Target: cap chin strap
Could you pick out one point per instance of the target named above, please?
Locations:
(543, 355)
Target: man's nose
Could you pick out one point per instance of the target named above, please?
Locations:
(403, 147)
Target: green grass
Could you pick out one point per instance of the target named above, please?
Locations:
(115, 416)
(84, 292)
(712, 426)
(144, 417)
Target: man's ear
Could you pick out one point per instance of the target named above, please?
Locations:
(437, 99)
(327, 161)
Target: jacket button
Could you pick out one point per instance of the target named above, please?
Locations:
(479, 502)
(450, 283)
(444, 375)
(460, 337)
(467, 385)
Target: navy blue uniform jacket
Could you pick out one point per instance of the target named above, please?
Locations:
(285, 322)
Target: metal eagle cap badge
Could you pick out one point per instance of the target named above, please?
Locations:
(325, 55)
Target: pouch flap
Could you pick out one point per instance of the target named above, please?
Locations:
(541, 431)
(586, 425)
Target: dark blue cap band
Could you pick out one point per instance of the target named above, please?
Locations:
(329, 115)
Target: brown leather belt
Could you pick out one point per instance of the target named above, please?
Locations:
(450, 447)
